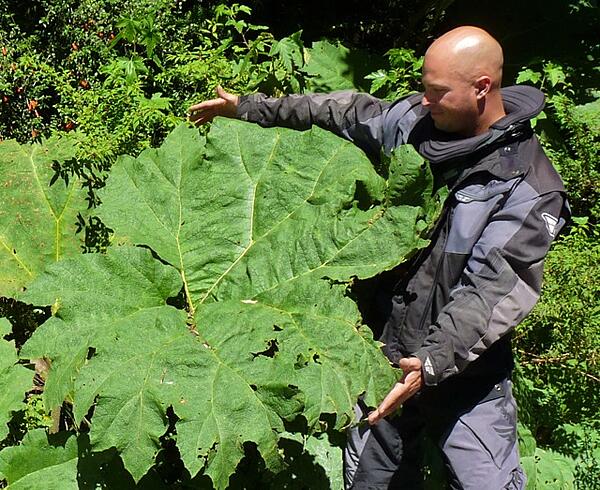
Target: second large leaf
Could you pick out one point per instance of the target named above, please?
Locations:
(38, 212)
(262, 230)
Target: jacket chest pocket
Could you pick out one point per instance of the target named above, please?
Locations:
(473, 208)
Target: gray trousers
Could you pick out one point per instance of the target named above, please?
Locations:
(475, 429)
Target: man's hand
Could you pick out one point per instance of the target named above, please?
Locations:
(225, 105)
(411, 382)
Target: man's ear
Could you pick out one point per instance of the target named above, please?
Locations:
(482, 86)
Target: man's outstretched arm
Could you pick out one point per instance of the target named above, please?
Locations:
(354, 116)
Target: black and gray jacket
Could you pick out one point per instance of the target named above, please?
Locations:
(482, 272)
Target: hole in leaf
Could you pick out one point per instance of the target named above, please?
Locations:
(91, 353)
(277, 328)
(270, 351)
(208, 457)
(178, 301)
(104, 469)
(301, 361)
(316, 358)
(254, 387)
(155, 256)
(169, 467)
(297, 424)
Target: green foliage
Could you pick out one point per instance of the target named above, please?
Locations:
(261, 231)
(570, 133)
(558, 381)
(545, 469)
(35, 415)
(117, 76)
(326, 456)
(402, 77)
(581, 441)
(123, 73)
(559, 340)
(558, 385)
(551, 75)
(578, 160)
(35, 461)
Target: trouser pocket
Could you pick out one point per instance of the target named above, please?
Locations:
(481, 448)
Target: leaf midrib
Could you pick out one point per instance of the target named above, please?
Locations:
(272, 228)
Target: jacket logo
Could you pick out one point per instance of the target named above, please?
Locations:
(429, 367)
(551, 223)
(460, 197)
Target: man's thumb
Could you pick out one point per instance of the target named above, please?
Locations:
(224, 95)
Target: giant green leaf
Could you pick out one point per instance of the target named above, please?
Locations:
(262, 231)
(15, 379)
(38, 213)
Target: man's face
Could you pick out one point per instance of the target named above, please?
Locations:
(450, 97)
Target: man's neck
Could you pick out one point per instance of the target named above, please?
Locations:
(493, 111)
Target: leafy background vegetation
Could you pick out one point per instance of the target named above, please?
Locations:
(115, 77)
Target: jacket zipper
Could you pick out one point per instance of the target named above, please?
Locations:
(416, 262)
(437, 272)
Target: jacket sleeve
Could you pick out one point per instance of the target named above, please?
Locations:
(355, 116)
(499, 285)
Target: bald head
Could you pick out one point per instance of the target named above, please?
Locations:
(470, 52)
(462, 75)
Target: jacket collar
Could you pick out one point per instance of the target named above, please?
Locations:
(521, 103)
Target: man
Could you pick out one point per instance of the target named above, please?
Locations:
(448, 320)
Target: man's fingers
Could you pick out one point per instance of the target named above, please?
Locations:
(205, 111)
(374, 417)
(410, 364)
(207, 104)
(410, 383)
(201, 119)
(202, 116)
(393, 399)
